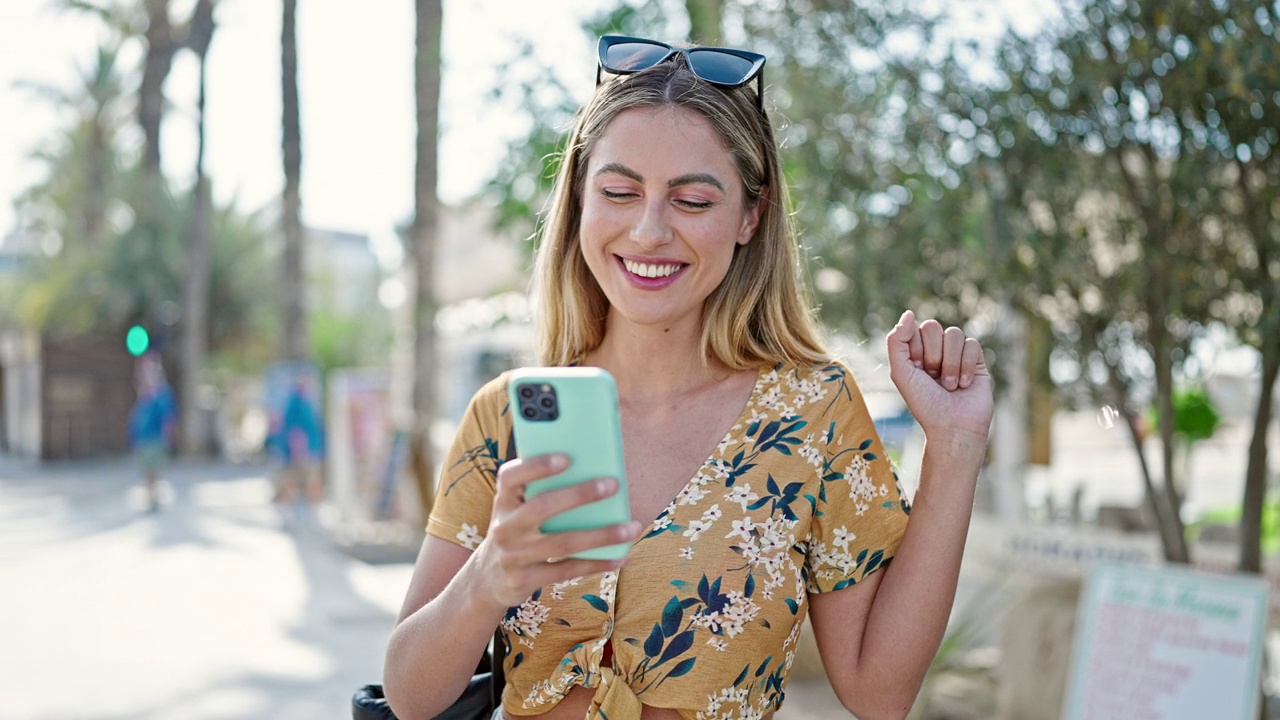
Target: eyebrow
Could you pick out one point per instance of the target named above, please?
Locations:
(686, 179)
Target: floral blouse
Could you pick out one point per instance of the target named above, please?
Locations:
(705, 617)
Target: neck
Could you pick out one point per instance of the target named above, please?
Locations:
(654, 364)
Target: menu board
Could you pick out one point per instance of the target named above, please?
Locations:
(1167, 644)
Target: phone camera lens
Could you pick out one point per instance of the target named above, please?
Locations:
(527, 392)
(529, 412)
(547, 402)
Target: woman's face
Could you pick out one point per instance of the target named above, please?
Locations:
(662, 212)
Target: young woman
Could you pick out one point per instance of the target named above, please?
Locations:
(758, 487)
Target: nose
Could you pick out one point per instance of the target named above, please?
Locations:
(651, 229)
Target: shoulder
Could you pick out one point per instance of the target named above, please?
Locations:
(829, 389)
(489, 403)
(833, 374)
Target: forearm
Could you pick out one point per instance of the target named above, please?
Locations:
(433, 652)
(912, 605)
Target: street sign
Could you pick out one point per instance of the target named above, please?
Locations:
(1167, 644)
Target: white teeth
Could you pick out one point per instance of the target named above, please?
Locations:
(648, 270)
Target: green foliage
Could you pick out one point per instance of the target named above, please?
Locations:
(114, 238)
(1194, 415)
(524, 176)
(1230, 515)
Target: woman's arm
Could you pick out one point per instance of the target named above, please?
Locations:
(457, 597)
(878, 637)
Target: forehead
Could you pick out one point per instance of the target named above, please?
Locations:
(663, 142)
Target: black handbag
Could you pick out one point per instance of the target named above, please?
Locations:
(482, 696)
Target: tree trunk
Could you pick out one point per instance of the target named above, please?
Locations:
(1255, 477)
(195, 301)
(430, 16)
(161, 48)
(706, 21)
(293, 300)
(1173, 534)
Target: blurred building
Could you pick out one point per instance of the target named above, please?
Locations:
(342, 272)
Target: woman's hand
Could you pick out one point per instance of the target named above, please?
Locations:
(516, 558)
(943, 378)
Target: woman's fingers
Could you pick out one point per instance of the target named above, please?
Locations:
(931, 347)
(516, 474)
(952, 348)
(945, 353)
(972, 362)
(556, 545)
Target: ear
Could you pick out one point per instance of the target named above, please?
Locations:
(751, 220)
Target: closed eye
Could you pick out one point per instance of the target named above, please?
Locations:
(695, 204)
(615, 195)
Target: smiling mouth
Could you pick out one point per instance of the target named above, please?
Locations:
(651, 270)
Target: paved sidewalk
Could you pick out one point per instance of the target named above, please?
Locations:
(204, 610)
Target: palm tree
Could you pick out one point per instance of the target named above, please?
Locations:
(295, 319)
(430, 16)
(195, 301)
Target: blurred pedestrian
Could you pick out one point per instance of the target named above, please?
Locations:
(153, 424)
(300, 444)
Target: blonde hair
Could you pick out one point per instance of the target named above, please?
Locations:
(761, 313)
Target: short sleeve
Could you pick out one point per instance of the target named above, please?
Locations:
(861, 513)
(469, 477)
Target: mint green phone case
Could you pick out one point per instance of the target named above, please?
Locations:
(588, 430)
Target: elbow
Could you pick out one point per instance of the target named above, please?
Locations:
(864, 710)
(883, 702)
(397, 687)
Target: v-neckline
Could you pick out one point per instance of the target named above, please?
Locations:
(716, 453)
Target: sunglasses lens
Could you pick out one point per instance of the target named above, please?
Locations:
(629, 57)
(720, 67)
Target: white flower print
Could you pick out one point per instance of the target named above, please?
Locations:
(772, 398)
(608, 586)
(664, 520)
(470, 536)
(726, 441)
(687, 552)
(697, 527)
(717, 643)
(742, 495)
(557, 590)
(527, 624)
(742, 528)
(842, 537)
(691, 494)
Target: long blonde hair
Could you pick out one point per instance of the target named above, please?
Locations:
(761, 313)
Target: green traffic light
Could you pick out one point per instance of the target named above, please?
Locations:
(137, 341)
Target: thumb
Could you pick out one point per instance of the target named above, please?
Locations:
(899, 341)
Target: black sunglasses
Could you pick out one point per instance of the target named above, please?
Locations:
(724, 67)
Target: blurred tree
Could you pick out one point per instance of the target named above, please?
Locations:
(101, 272)
(423, 244)
(1072, 176)
(195, 290)
(84, 166)
(151, 23)
(293, 292)
(1129, 204)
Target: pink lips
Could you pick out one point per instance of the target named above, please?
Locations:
(647, 283)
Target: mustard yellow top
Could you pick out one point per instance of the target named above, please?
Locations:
(798, 498)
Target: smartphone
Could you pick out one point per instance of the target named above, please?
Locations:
(573, 411)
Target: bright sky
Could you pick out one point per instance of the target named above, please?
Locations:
(356, 88)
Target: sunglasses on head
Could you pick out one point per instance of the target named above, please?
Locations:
(724, 67)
